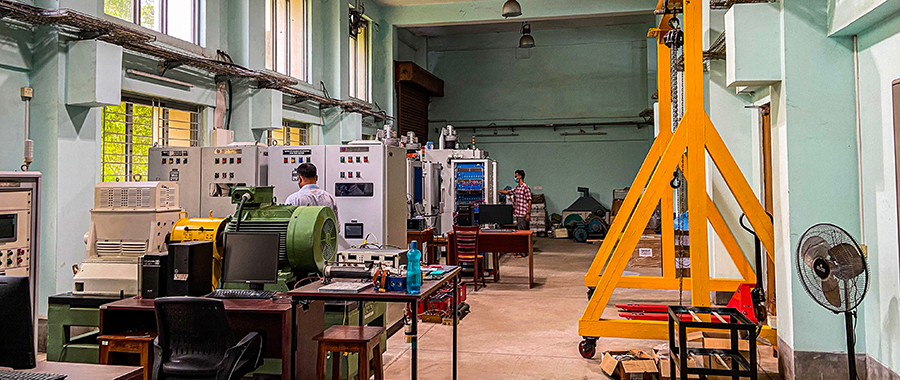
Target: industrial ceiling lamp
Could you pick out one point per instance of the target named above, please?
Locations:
(512, 9)
(527, 41)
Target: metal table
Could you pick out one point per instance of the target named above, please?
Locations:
(311, 292)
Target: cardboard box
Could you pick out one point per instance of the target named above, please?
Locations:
(561, 233)
(642, 367)
(719, 340)
(665, 374)
(648, 253)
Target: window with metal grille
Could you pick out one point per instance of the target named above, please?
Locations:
(132, 127)
(290, 133)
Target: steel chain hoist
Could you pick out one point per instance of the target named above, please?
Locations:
(674, 39)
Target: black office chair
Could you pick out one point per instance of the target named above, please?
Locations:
(195, 342)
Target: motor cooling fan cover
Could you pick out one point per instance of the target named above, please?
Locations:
(312, 238)
(832, 268)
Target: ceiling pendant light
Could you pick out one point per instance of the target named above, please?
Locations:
(512, 9)
(526, 41)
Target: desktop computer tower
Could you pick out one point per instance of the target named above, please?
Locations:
(465, 216)
(190, 270)
(154, 270)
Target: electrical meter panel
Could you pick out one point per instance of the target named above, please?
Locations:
(446, 200)
(19, 229)
(474, 183)
(180, 165)
(223, 169)
(15, 232)
(283, 163)
(369, 182)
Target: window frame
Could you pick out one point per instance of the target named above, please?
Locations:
(354, 60)
(272, 51)
(160, 133)
(196, 8)
(286, 131)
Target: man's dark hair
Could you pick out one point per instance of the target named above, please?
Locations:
(306, 170)
(521, 173)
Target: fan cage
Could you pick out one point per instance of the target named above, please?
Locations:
(849, 270)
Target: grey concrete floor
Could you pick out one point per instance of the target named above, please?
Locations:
(518, 333)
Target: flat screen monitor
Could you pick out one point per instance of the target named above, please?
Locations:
(495, 214)
(17, 334)
(251, 257)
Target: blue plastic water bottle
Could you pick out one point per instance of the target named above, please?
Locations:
(413, 269)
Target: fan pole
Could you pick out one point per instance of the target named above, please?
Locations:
(851, 344)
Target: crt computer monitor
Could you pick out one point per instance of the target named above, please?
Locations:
(251, 258)
(495, 214)
(17, 333)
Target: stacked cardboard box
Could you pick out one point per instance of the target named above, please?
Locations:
(538, 215)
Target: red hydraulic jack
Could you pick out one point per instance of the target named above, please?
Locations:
(741, 300)
(749, 299)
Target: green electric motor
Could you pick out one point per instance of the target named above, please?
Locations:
(308, 234)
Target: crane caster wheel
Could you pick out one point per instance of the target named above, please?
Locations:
(587, 348)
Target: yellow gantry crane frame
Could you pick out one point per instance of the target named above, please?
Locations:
(694, 136)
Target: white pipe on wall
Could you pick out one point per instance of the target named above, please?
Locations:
(862, 219)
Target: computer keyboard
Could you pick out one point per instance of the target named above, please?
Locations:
(241, 294)
(498, 230)
(19, 375)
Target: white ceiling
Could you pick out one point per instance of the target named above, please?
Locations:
(425, 2)
(513, 25)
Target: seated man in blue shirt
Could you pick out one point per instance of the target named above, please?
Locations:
(310, 194)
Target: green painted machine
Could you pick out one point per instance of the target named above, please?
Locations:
(308, 239)
(308, 233)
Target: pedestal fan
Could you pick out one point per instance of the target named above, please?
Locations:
(834, 273)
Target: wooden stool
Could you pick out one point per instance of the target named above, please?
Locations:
(438, 242)
(131, 343)
(339, 338)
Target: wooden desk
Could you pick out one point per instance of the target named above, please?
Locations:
(78, 371)
(500, 242)
(311, 292)
(244, 316)
(423, 237)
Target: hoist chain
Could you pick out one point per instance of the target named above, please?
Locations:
(674, 39)
(682, 210)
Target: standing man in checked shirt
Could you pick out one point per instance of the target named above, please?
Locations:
(521, 201)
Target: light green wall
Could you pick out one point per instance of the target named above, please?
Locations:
(878, 49)
(464, 12)
(15, 64)
(849, 17)
(478, 11)
(67, 138)
(821, 148)
(559, 165)
(572, 75)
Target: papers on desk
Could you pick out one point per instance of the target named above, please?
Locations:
(345, 287)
